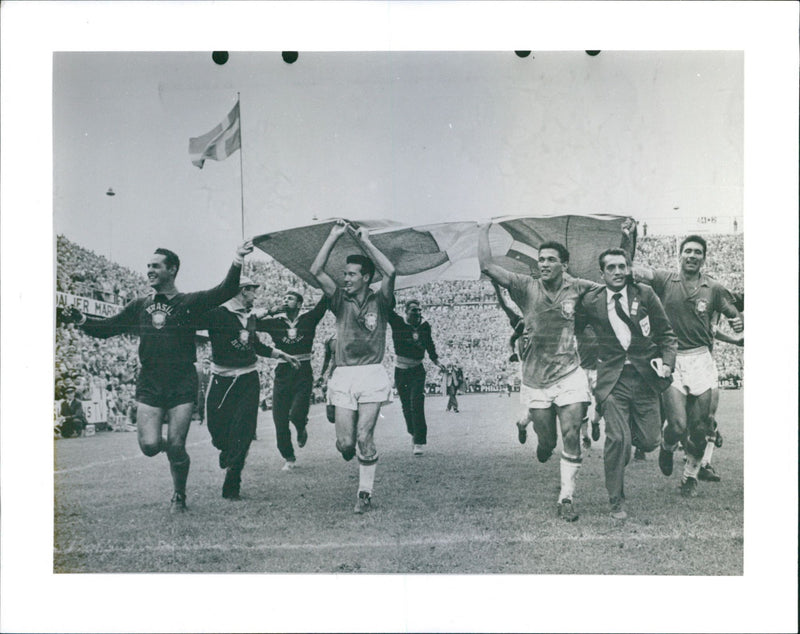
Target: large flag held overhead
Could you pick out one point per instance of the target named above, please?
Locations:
(449, 250)
(220, 143)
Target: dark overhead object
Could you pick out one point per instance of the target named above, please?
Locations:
(290, 57)
(219, 57)
(522, 53)
(593, 53)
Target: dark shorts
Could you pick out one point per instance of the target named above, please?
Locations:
(167, 389)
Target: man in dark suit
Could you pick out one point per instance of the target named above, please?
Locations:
(636, 350)
(73, 420)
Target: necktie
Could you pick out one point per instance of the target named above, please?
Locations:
(622, 314)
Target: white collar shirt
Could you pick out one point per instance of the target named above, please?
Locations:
(620, 327)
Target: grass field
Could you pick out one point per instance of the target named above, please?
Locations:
(476, 502)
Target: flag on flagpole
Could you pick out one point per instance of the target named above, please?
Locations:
(220, 143)
(449, 250)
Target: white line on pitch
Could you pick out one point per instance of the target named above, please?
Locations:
(91, 465)
(434, 541)
(120, 459)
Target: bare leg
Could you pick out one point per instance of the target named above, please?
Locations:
(148, 428)
(180, 418)
(346, 432)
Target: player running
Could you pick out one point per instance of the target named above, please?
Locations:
(359, 384)
(517, 325)
(553, 384)
(293, 333)
(166, 389)
(412, 337)
(707, 471)
(690, 298)
(235, 387)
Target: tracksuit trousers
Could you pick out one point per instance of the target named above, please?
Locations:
(231, 415)
(410, 383)
(291, 399)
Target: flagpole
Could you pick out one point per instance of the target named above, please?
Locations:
(241, 151)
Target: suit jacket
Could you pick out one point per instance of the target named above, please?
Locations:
(73, 410)
(653, 337)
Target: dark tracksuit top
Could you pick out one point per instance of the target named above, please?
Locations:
(166, 330)
(295, 338)
(234, 390)
(291, 391)
(410, 343)
(233, 345)
(166, 327)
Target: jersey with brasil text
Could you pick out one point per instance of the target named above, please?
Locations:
(548, 349)
(294, 337)
(360, 328)
(233, 344)
(690, 312)
(165, 326)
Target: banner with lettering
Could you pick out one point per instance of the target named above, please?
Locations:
(87, 305)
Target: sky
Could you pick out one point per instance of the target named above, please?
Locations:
(368, 135)
(418, 137)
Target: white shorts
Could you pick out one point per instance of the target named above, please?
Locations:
(591, 377)
(573, 388)
(353, 384)
(695, 372)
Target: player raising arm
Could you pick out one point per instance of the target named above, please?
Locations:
(359, 385)
(166, 388)
(412, 338)
(292, 332)
(553, 385)
(690, 298)
(233, 394)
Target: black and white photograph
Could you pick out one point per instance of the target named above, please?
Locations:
(401, 332)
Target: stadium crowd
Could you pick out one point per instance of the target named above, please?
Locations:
(469, 329)
(83, 272)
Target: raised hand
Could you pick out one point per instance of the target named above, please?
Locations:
(363, 234)
(68, 315)
(245, 248)
(339, 228)
(628, 225)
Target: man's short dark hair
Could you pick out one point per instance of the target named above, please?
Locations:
(613, 251)
(170, 258)
(412, 302)
(697, 239)
(367, 265)
(563, 254)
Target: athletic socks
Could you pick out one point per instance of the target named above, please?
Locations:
(180, 473)
(707, 454)
(691, 468)
(569, 473)
(366, 477)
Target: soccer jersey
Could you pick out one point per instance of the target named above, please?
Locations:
(166, 326)
(360, 328)
(548, 348)
(410, 341)
(690, 312)
(234, 342)
(294, 337)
